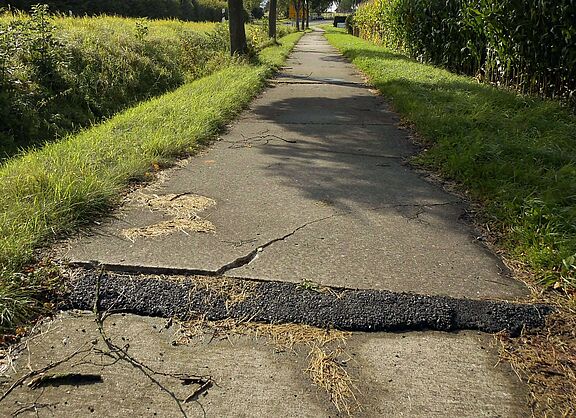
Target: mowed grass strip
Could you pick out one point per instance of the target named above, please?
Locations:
(516, 155)
(50, 192)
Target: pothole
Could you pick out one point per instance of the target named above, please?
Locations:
(183, 208)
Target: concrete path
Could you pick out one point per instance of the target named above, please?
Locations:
(314, 175)
(309, 186)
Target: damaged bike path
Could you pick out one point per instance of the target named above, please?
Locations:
(307, 192)
(309, 184)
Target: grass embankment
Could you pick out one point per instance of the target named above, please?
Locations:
(53, 191)
(515, 156)
(59, 74)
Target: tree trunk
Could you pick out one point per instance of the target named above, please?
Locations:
(236, 23)
(272, 19)
(307, 10)
(297, 8)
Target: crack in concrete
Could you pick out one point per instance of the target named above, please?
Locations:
(262, 139)
(313, 82)
(252, 255)
(239, 261)
(416, 216)
(359, 154)
(236, 263)
(415, 205)
(334, 123)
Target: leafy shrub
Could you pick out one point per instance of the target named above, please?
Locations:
(193, 10)
(60, 74)
(526, 44)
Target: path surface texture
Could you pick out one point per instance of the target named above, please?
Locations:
(309, 196)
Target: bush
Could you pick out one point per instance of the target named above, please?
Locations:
(60, 74)
(191, 10)
(528, 45)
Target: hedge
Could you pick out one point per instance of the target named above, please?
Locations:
(529, 45)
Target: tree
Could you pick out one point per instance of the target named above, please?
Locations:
(257, 12)
(345, 6)
(297, 7)
(272, 15)
(320, 6)
(238, 43)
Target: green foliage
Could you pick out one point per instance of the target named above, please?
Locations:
(58, 74)
(191, 10)
(49, 192)
(515, 154)
(529, 45)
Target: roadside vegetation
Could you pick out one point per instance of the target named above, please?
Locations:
(59, 74)
(527, 45)
(50, 192)
(189, 10)
(515, 156)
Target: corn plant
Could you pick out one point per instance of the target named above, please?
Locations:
(529, 45)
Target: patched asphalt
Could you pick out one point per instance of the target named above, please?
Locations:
(306, 303)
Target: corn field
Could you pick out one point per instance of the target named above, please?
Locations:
(529, 45)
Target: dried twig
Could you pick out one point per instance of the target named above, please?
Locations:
(44, 369)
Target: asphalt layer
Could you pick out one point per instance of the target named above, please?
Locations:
(282, 302)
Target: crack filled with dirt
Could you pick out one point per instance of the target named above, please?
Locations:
(280, 302)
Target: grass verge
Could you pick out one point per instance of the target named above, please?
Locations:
(514, 155)
(48, 193)
(61, 73)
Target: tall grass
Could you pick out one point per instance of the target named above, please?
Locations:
(52, 191)
(58, 74)
(189, 10)
(529, 45)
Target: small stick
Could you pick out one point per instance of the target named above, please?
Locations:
(203, 388)
(44, 369)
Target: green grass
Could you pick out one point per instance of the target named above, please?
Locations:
(59, 74)
(515, 154)
(48, 193)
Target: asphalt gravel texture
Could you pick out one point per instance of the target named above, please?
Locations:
(281, 302)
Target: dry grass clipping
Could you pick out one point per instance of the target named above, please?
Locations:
(325, 367)
(546, 360)
(184, 210)
(326, 371)
(232, 290)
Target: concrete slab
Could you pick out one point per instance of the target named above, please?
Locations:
(315, 59)
(316, 175)
(251, 378)
(320, 104)
(435, 375)
(413, 374)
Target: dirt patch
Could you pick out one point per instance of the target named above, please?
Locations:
(183, 208)
(546, 360)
